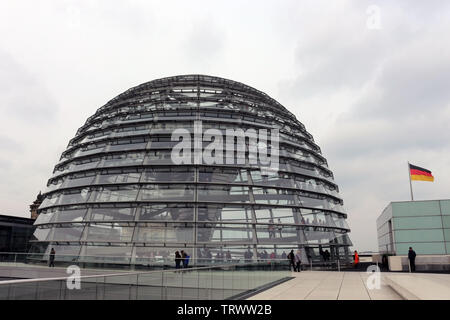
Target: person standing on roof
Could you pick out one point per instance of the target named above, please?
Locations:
(298, 261)
(291, 258)
(412, 259)
(355, 259)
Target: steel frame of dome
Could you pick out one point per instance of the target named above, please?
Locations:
(116, 194)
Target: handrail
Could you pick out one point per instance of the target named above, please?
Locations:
(43, 256)
(155, 257)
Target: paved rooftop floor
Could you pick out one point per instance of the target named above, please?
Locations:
(328, 285)
(420, 286)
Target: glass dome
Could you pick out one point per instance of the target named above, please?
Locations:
(119, 194)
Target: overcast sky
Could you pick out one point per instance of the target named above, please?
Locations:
(369, 79)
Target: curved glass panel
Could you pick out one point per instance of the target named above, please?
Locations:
(110, 214)
(119, 195)
(106, 232)
(166, 212)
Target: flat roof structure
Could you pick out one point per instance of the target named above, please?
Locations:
(422, 225)
(15, 233)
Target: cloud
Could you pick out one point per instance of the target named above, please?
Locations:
(411, 84)
(402, 116)
(373, 99)
(204, 41)
(22, 96)
(9, 144)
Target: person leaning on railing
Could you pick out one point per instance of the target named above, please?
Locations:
(178, 259)
(186, 260)
(291, 258)
(51, 260)
(298, 261)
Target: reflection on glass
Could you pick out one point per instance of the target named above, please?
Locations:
(113, 194)
(75, 215)
(166, 192)
(274, 196)
(80, 180)
(179, 174)
(121, 159)
(224, 233)
(112, 177)
(278, 233)
(221, 175)
(223, 193)
(111, 213)
(275, 215)
(75, 196)
(99, 253)
(108, 232)
(167, 212)
(164, 233)
(278, 179)
(70, 232)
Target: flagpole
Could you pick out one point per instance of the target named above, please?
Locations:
(410, 183)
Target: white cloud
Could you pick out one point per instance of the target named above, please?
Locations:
(373, 99)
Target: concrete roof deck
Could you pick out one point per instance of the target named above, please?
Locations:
(330, 285)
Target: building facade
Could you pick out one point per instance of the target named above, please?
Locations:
(35, 206)
(422, 225)
(120, 193)
(15, 233)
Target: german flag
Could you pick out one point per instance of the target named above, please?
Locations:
(418, 173)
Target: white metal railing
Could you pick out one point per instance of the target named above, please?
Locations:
(203, 283)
